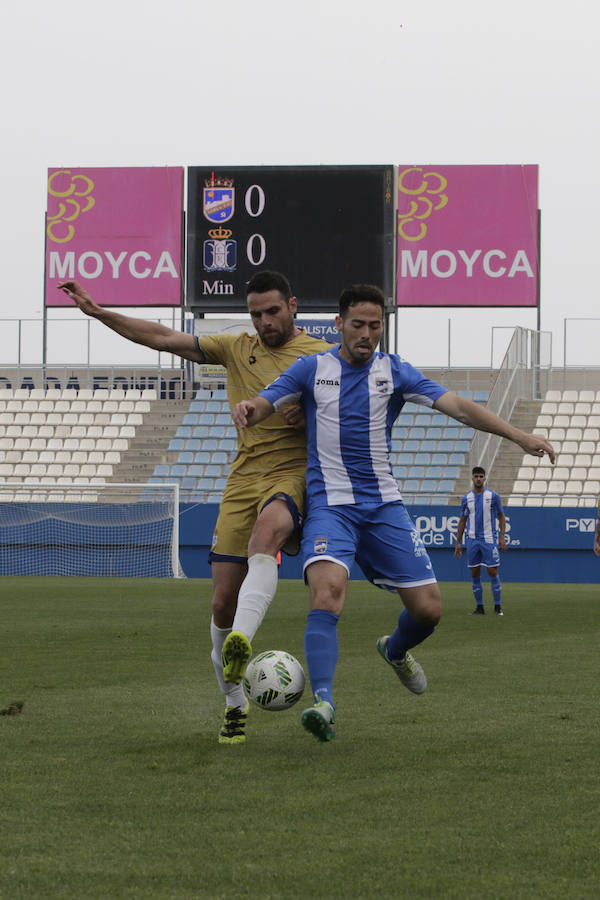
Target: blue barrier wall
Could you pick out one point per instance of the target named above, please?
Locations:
(544, 545)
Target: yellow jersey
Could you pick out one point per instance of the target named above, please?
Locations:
(251, 366)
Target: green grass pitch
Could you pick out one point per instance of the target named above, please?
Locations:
(114, 786)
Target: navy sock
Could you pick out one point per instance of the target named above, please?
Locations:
(496, 590)
(408, 634)
(321, 651)
(478, 591)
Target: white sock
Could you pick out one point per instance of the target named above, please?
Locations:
(256, 593)
(234, 693)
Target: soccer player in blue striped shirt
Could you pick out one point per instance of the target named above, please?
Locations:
(351, 395)
(481, 513)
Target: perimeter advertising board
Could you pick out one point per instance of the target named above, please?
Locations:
(322, 226)
(117, 231)
(467, 236)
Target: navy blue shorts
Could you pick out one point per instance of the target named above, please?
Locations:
(382, 539)
(480, 553)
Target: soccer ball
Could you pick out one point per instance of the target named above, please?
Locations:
(274, 680)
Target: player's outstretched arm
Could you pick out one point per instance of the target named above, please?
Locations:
(250, 412)
(150, 334)
(477, 416)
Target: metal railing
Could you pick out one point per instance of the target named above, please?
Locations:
(523, 375)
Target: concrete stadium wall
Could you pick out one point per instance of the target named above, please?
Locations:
(545, 545)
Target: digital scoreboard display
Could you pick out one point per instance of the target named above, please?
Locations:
(323, 227)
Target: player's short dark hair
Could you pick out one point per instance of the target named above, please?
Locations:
(477, 470)
(360, 293)
(269, 281)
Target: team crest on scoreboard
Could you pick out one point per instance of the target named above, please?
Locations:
(321, 545)
(218, 199)
(220, 253)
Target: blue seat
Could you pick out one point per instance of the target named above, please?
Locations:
(186, 457)
(429, 486)
(219, 394)
(405, 420)
(220, 484)
(178, 471)
(223, 418)
(416, 472)
(411, 446)
(218, 431)
(439, 459)
(227, 444)
(422, 419)
(196, 470)
(451, 472)
(219, 457)
(433, 434)
(445, 446)
(405, 459)
(467, 394)
(190, 419)
(197, 406)
(481, 396)
(202, 457)
(422, 459)
(163, 471)
(400, 472)
(213, 497)
(193, 444)
(445, 487)
(466, 433)
(205, 484)
(212, 471)
(154, 479)
(456, 459)
(429, 446)
(417, 433)
(450, 433)
(184, 431)
(206, 419)
(176, 444)
(411, 486)
(201, 431)
(188, 483)
(434, 472)
(202, 394)
(462, 446)
(438, 420)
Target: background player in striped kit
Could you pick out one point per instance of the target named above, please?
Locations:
(351, 395)
(481, 508)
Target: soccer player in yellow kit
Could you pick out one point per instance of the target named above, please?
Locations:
(263, 504)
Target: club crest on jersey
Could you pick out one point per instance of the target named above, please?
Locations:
(220, 254)
(320, 545)
(218, 199)
(418, 546)
(382, 385)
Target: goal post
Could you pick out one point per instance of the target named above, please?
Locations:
(114, 530)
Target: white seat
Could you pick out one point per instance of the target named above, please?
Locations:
(533, 501)
(7, 418)
(38, 418)
(127, 431)
(544, 422)
(588, 501)
(556, 487)
(561, 473)
(587, 447)
(556, 434)
(569, 501)
(579, 421)
(86, 419)
(55, 469)
(93, 406)
(62, 456)
(38, 443)
(22, 418)
(118, 419)
(102, 418)
(565, 409)
(570, 447)
(45, 456)
(110, 431)
(543, 473)
(78, 432)
(591, 434)
(570, 396)
(94, 431)
(85, 394)
(13, 456)
(104, 471)
(120, 444)
(79, 456)
(69, 419)
(573, 434)
(583, 460)
(149, 394)
(573, 487)
(548, 408)
(117, 394)
(88, 444)
(135, 419)
(8, 443)
(529, 460)
(78, 406)
(521, 487)
(594, 473)
(134, 394)
(591, 487)
(126, 406)
(110, 406)
(142, 406)
(579, 473)
(6, 469)
(22, 469)
(54, 418)
(101, 394)
(587, 396)
(582, 409)
(561, 421)
(71, 469)
(112, 458)
(51, 394)
(525, 473)
(96, 457)
(555, 396)
(30, 406)
(14, 406)
(88, 470)
(551, 500)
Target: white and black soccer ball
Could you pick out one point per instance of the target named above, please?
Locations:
(274, 680)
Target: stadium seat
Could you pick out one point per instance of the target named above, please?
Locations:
(149, 394)
(591, 434)
(565, 409)
(533, 501)
(545, 422)
(185, 457)
(548, 408)
(591, 487)
(521, 487)
(525, 473)
(445, 486)
(587, 396)
(481, 396)
(574, 487)
(556, 486)
(177, 444)
(570, 396)
(162, 470)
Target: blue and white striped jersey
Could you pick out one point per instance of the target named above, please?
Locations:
(482, 511)
(349, 413)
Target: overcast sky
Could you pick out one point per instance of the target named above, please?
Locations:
(132, 83)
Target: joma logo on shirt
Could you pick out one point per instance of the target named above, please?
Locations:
(329, 381)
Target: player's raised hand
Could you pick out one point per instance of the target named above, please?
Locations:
(83, 300)
(536, 445)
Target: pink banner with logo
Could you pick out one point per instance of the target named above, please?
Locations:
(467, 236)
(116, 231)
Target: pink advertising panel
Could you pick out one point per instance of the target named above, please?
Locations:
(467, 236)
(116, 231)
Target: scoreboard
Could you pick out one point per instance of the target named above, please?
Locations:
(323, 227)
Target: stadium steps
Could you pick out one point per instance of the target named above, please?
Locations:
(148, 447)
(509, 459)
